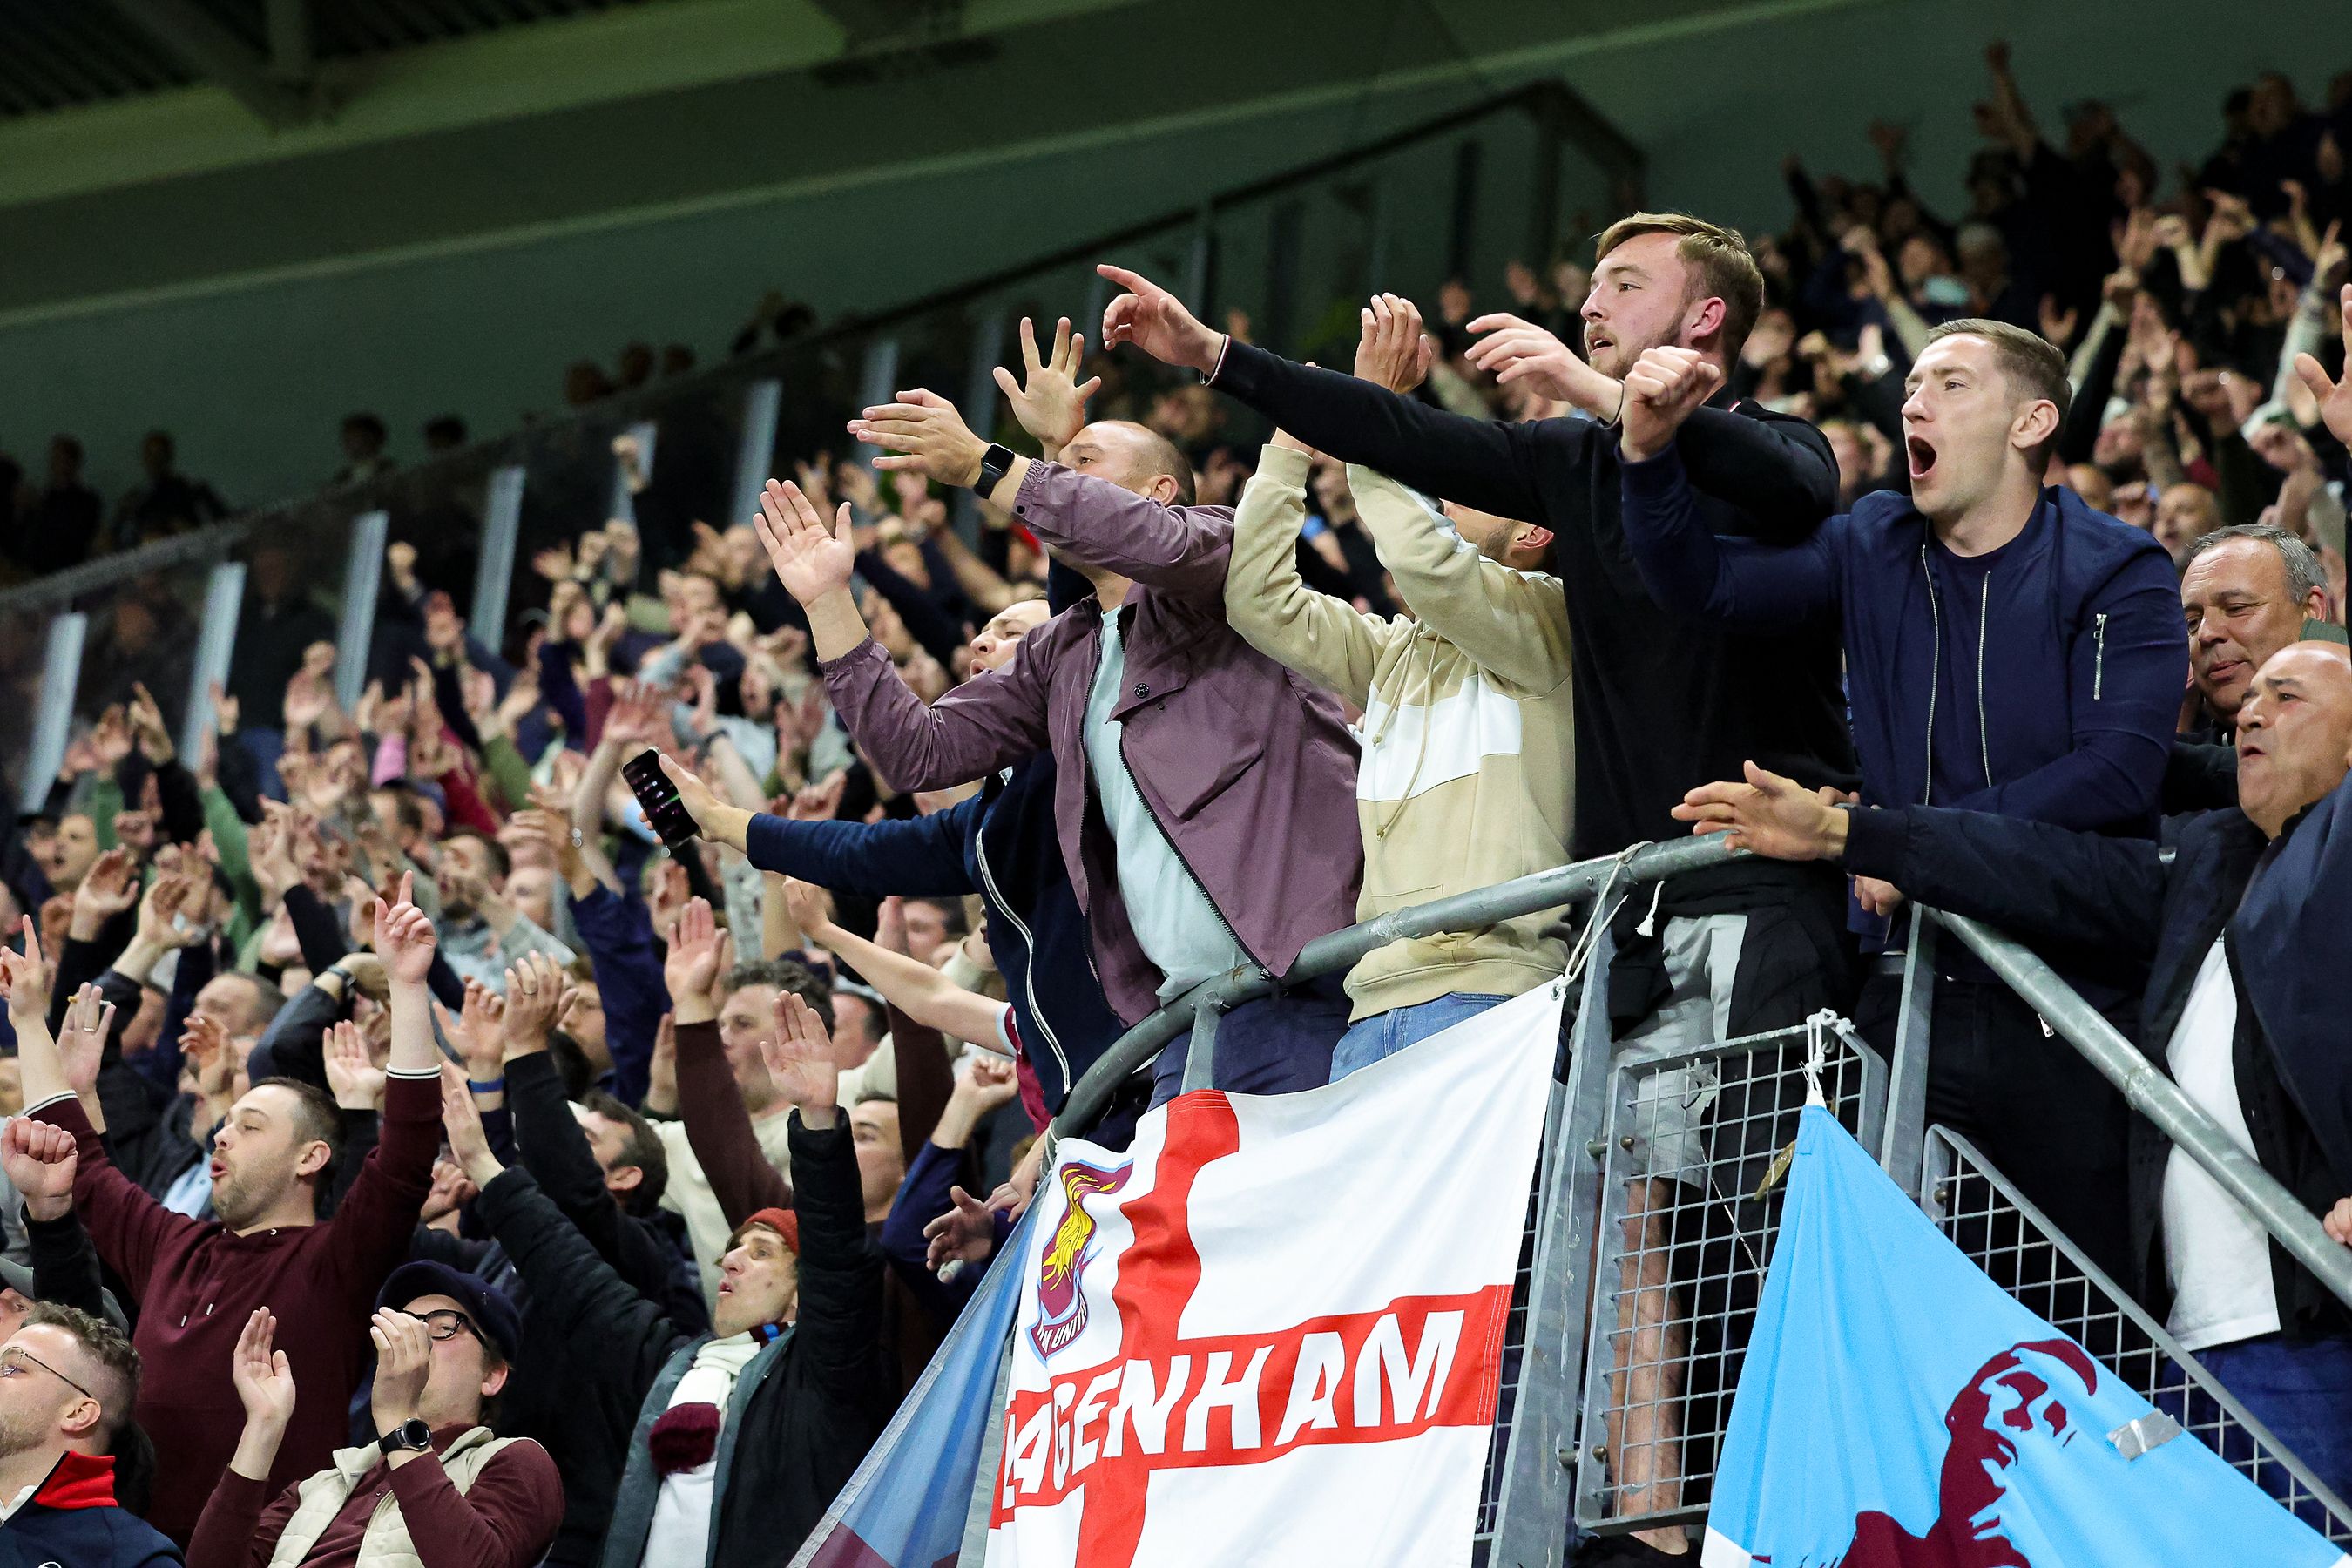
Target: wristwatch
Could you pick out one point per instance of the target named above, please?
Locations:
(411, 1437)
(994, 463)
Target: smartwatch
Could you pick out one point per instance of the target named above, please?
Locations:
(994, 463)
(411, 1437)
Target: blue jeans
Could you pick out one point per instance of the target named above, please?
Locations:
(1383, 1035)
(1274, 1044)
(2300, 1389)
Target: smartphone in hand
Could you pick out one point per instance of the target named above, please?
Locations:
(659, 798)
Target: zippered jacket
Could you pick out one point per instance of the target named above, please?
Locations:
(2080, 658)
(1250, 774)
(1000, 844)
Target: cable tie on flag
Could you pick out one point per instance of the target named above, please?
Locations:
(1817, 1055)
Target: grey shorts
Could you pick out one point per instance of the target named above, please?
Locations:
(1670, 1106)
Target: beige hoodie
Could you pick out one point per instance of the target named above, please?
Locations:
(1468, 733)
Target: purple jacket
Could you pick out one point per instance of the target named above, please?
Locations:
(1250, 775)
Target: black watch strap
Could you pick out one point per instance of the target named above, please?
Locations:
(412, 1436)
(994, 463)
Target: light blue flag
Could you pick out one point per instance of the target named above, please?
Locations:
(1900, 1410)
(904, 1507)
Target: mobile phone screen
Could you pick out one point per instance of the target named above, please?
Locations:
(658, 798)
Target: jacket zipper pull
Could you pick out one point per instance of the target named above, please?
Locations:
(2099, 659)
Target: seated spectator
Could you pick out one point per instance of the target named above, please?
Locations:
(164, 500)
(270, 1161)
(1219, 839)
(68, 1383)
(782, 1417)
(436, 1487)
(2239, 938)
(1468, 748)
(363, 436)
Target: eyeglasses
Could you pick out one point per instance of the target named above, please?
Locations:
(446, 1324)
(16, 1358)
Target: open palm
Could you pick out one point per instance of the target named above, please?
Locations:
(811, 560)
(1048, 400)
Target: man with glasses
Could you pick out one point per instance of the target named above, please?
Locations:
(68, 1382)
(461, 1496)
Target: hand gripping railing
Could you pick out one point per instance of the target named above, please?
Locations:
(1198, 1008)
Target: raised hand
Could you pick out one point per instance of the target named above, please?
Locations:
(807, 905)
(1661, 390)
(1391, 350)
(174, 895)
(403, 1359)
(461, 1122)
(204, 1043)
(265, 1383)
(1156, 321)
(147, 721)
(691, 967)
(639, 715)
(799, 1056)
(405, 938)
(965, 1234)
(2335, 397)
(81, 1037)
(40, 1161)
(25, 981)
(451, 1190)
(1515, 350)
(538, 995)
(352, 1078)
(109, 887)
(1775, 816)
(925, 434)
(1048, 400)
(110, 738)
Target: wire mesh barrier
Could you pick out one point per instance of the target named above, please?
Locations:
(1689, 1190)
(2009, 1238)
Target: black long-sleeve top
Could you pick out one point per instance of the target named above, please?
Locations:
(1664, 703)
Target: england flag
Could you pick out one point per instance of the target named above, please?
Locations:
(1271, 1332)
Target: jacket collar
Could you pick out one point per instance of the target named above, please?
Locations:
(78, 1481)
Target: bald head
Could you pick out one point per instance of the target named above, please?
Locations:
(1134, 458)
(2294, 732)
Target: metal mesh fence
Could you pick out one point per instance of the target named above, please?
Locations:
(1690, 1201)
(1515, 1339)
(2004, 1236)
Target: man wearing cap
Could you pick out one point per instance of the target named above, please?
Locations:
(460, 1496)
(737, 1440)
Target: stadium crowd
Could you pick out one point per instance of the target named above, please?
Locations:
(402, 1118)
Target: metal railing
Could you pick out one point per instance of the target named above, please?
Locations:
(1699, 1254)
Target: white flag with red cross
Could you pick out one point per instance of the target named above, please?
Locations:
(1271, 1330)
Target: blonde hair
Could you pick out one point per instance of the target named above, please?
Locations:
(1726, 269)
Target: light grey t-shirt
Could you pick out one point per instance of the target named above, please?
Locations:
(1175, 924)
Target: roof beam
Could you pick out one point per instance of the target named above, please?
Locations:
(213, 52)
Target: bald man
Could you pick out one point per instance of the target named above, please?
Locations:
(2243, 940)
(2246, 592)
(1203, 797)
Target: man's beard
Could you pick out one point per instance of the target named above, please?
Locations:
(235, 1203)
(20, 1434)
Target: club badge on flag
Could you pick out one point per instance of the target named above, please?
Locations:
(1897, 1409)
(1271, 1331)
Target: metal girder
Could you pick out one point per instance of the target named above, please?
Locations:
(220, 57)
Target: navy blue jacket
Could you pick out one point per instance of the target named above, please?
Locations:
(2081, 660)
(2119, 908)
(72, 1518)
(1002, 844)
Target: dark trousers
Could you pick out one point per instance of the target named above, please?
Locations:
(2300, 1389)
(2046, 1116)
(1275, 1044)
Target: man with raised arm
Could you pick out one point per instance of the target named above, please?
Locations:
(734, 1440)
(2239, 944)
(196, 1283)
(1658, 702)
(1200, 796)
(2007, 649)
(1468, 731)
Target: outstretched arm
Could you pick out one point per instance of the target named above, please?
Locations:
(1326, 639)
(915, 988)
